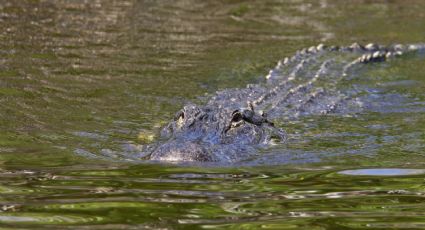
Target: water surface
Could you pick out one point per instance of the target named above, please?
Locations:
(83, 84)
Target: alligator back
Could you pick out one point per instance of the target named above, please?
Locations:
(315, 81)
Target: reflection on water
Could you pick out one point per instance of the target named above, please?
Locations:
(84, 84)
(144, 196)
(383, 172)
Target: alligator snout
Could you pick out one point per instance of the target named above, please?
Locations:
(182, 151)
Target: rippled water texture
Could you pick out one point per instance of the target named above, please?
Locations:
(84, 84)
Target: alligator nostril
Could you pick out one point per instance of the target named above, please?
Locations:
(278, 134)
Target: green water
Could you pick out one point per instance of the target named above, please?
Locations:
(83, 84)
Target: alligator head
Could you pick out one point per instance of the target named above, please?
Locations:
(312, 82)
(211, 134)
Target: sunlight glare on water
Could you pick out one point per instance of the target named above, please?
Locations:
(383, 172)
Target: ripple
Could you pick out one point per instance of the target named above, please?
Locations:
(45, 218)
(383, 172)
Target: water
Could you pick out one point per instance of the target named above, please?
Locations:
(84, 83)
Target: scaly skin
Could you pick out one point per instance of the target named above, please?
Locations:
(233, 124)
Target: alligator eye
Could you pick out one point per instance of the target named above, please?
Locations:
(236, 121)
(237, 116)
(179, 114)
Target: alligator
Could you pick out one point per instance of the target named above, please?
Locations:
(234, 123)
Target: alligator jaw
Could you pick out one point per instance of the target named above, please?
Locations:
(179, 151)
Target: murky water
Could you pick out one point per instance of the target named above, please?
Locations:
(84, 83)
